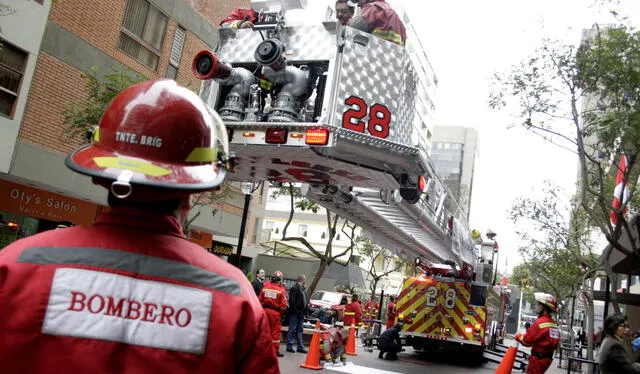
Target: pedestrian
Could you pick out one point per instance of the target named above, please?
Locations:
(130, 294)
(344, 12)
(378, 18)
(391, 312)
(240, 18)
(275, 304)
(543, 335)
(258, 283)
(613, 356)
(389, 342)
(297, 309)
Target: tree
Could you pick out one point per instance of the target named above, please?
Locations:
(587, 101)
(83, 116)
(382, 263)
(325, 256)
(557, 249)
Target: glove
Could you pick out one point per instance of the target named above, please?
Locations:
(635, 345)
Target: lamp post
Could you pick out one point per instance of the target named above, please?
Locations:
(247, 189)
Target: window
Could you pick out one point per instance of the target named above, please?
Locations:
(142, 32)
(176, 53)
(12, 64)
(302, 230)
(269, 225)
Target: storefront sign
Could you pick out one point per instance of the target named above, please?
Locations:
(201, 238)
(29, 201)
(222, 249)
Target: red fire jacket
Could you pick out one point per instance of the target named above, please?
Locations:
(543, 335)
(273, 297)
(391, 311)
(239, 15)
(127, 295)
(352, 314)
(379, 19)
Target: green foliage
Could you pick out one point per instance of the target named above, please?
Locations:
(299, 200)
(557, 248)
(587, 101)
(82, 116)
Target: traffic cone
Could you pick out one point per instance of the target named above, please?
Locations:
(313, 357)
(350, 349)
(506, 365)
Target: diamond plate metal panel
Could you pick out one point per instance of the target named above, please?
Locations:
(305, 43)
(379, 72)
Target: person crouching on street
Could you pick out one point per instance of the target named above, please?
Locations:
(275, 304)
(333, 342)
(389, 342)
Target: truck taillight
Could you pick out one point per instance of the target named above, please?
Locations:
(317, 136)
(468, 330)
(276, 135)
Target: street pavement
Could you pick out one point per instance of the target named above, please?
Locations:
(410, 362)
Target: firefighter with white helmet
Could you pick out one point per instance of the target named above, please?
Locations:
(543, 335)
(130, 294)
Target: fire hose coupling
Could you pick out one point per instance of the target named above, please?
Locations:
(207, 66)
(271, 53)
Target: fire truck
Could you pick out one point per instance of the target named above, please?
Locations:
(338, 111)
(443, 306)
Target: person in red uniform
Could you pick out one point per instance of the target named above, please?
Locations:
(370, 311)
(391, 312)
(275, 304)
(240, 18)
(543, 335)
(130, 294)
(378, 18)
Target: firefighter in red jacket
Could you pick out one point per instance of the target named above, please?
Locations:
(353, 312)
(130, 294)
(543, 335)
(391, 312)
(275, 304)
(378, 18)
(370, 311)
(240, 18)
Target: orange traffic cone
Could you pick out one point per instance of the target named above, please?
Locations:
(506, 365)
(313, 357)
(350, 349)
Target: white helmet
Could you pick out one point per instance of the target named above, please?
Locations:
(546, 299)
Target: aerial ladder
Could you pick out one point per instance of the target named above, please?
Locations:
(334, 108)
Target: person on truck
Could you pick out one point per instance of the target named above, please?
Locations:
(543, 335)
(273, 300)
(240, 18)
(130, 293)
(389, 342)
(378, 18)
(344, 12)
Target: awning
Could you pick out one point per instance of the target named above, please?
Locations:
(288, 248)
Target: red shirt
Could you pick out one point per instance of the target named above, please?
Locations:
(240, 14)
(127, 295)
(543, 335)
(383, 21)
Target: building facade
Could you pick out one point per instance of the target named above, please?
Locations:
(454, 152)
(47, 48)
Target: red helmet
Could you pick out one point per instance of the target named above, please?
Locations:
(155, 140)
(546, 299)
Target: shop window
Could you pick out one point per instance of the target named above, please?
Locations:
(12, 65)
(142, 32)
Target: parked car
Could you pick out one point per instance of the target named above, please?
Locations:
(328, 299)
